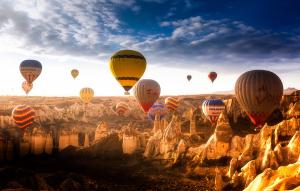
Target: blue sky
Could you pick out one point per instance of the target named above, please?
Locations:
(176, 37)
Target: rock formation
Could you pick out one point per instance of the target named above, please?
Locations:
(131, 141)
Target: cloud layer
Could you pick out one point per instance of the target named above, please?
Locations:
(87, 28)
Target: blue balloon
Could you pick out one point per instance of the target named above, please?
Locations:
(155, 109)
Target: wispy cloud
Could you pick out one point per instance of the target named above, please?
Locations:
(62, 26)
(90, 27)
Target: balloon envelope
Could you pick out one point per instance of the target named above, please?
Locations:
(86, 94)
(259, 93)
(212, 76)
(157, 109)
(121, 108)
(212, 109)
(127, 66)
(23, 116)
(171, 103)
(74, 73)
(27, 87)
(146, 92)
(30, 70)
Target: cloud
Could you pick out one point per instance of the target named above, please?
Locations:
(64, 27)
(94, 27)
(196, 41)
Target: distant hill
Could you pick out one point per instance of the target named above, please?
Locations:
(227, 92)
(287, 91)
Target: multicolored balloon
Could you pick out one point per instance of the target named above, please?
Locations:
(189, 77)
(30, 70)
(259, 93)
(157, 109)
(172, 103)
(26, 87)
(212, 76)
(23, 116)
(212, 109)
(146, 92)
(122, 108)
(127, 66)
(74, 73)
(86, 95)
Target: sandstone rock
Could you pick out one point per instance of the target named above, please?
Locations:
(294, 111)
(70, 184)
(219, 183)
(281, 154)
(180, 150)
(285, 177)
(236, 146)
(171, 138)
(153, 145)
(109, 146)
(49, 144)
(232, 167)
(249, 172)
(223, 131)
(101, 131)
(269, 159)
(233, 109)
(293, 146)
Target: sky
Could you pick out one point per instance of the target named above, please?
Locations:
(177, 38)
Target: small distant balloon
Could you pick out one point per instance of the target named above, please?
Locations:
(86, 95)
(30, 70)
(172, 103)
(157, 109)
(27, 87)
(23, 116)
(212, 76)
(146, 92)
(189, 77)
(122, 108)
(212, 109)
(259, 93)
(74, 73)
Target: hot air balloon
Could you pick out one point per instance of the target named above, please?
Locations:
(212, 76)
(146, 93)
(172, 103)
(157, 109)
(74, 73)
(259, 93)
(127, 66)
(212, 109)
(30, 70)
(26, 87)
(23, 116)
(121, 108)
(189, 77)
(86, 95)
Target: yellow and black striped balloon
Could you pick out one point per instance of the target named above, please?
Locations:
(86, 94)
(127, 66)
(23, 116)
